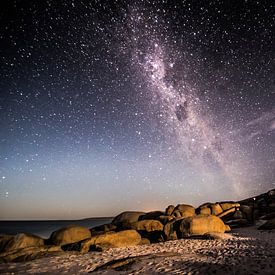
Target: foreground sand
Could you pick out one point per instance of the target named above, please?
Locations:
(249, 252)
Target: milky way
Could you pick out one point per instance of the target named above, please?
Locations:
(134, 104)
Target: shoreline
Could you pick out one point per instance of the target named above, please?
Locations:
(249, 251)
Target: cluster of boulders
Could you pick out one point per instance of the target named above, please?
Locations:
(136, 228)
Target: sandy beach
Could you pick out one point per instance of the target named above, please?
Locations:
(244, 251)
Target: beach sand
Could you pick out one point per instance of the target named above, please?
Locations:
(249, 251)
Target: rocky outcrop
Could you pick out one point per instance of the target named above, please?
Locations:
(209, 220)
(28, 253)
(169, 210)
(153, 215)
(183, 211)
(127, 218)
(123, 238)
(147, 225)
(19, 241)
(69, 234)
(22, 247)
(201, 224)
(103, 228)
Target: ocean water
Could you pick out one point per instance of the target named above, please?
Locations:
(45, 228)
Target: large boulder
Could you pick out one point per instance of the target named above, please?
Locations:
(216, 209)
(69, 234)
(19, 241)
(165, 219)
(123, 238)
(201, 224)
(126, 218)
(204, 209)
(149, 229)
(28, 253)
(183, 211)
(147, 225)
(229, 205)
(169, 210)
(153, 215)
(247, 212)
(170, 230)
(104, 228)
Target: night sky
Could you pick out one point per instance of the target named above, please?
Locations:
(108, 106)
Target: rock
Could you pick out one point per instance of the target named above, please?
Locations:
(216, 209)
(126, 218)
(201, 224)
(149, 229)
(19, 241)
(170, 231)
(228, 205)
(123, 238)
(169, 210)
(183, 211)
(227, 228)
(238, 215)
(238, 223)
(209, 208)
(69, 234)
(144, 241)
(165, 219)
(268, 225)
(154, 215)
(227, 212)
(3, 241)
(147, 225)
(104, 228)
(247, 212)
(271, 193)
(205, 211)
(28, 253)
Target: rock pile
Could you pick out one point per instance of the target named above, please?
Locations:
(130, 228)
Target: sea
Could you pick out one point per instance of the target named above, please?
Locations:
(45, 228)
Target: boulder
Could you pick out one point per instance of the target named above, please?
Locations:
(247, 212)
(238, 215)
(165, 219)
(147, 225)
(154, 215)
(204, 211)
(104, 228)
(169, 210)
(268, 225)
(201, 224)
(123, 238)
(170, 230)
(183, 211)
(149, 229)
(228, 205)
(216, 209)
(126, 218)
(226, 213)
(144, 241)
(28, 253)
(237, 223)
(19, 241)
(69, 234)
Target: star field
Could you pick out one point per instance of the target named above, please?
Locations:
(114, 105)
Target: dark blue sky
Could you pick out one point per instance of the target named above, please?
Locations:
(113, 105)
